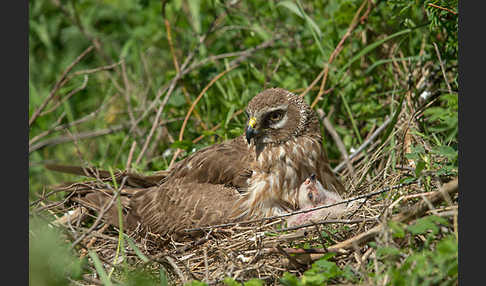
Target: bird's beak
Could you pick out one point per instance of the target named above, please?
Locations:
(313, 177)
(310, 179)
(250, 129)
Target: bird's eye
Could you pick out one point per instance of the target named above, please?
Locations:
(310, 196)
(276, 115)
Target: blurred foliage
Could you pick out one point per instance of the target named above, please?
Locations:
(389, 55)
(431, 261)
(51, 262)
(321, 272)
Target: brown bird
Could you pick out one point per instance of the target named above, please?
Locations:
(254, 175)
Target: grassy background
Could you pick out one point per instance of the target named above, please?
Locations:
(380, 64)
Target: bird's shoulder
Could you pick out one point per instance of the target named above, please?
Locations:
(226, 163)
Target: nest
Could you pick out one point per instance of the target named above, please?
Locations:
(266, 249)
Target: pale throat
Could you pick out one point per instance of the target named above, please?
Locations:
(278, 173)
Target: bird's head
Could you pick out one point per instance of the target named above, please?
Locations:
(311, 193)
(275, 115)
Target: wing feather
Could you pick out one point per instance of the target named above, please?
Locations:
(227, 163)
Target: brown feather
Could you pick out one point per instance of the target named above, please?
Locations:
(168, 209)
(227, 163)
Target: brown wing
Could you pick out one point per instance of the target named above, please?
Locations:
(227, 163)
(171, 209)
(100, 199)
(165, 209)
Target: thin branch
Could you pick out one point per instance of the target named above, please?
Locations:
(407, 215)
(73, 92)
(242, 55)
(95, 70)
(78, 136)
(290, 258)
(442, 68)
(174, 266)
(171, 87)
(364, 145)
(217, 126)
(48, 131)
(105, 208)
(57, 127)
(181, 133)
(162, 104)
(339, 142)
(58, 85)
(329, 221)
(442, 8)
(176, 66)
(383, 190)
(130, 156)
(233, 64)
(336, 51)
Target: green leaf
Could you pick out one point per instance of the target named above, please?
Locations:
(387, 252)
(257, 74)
(254, 282)
(394, 120)
(228, 281)
(368, 49)
(289, 279)
(177, 100)
(136, 249)
(309, 21)
(195, 10)
(398, 230)
(445, 151)
(425, 224)
(314, 279)
(163, 277)
(299, 11)
(407, 180)
(51, 261)
(261, 32)
(195, 283)
(292, 7)
(184, 144)
(99, 268)
(419, 167)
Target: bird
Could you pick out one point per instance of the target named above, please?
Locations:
(312, 194)
(280, 148)
(256, 174)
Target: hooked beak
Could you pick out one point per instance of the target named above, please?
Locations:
(250, 130)
(313, 177)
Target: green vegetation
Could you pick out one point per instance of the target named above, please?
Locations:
(112, 95)
(51, 262)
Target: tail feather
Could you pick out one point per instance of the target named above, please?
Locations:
(100, 200)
